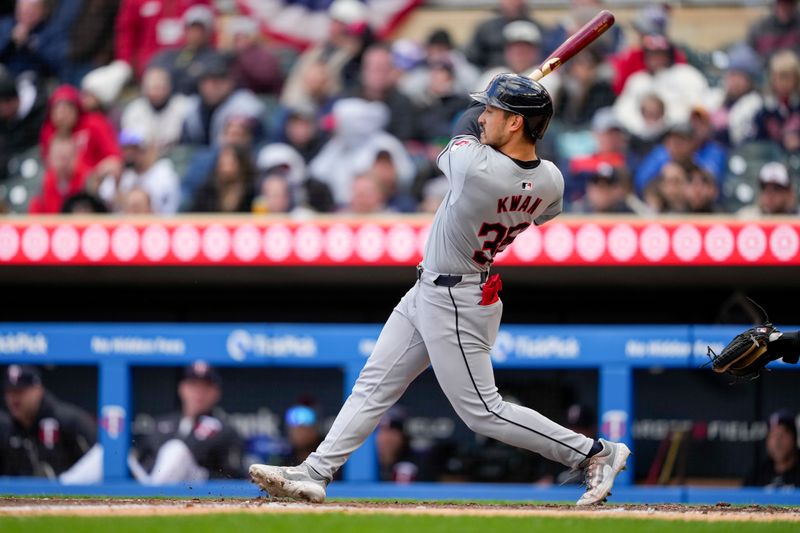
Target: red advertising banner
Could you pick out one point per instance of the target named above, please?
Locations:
(395, 242)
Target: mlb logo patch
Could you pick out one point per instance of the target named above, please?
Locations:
(527, 186)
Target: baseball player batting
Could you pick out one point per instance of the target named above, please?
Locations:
(449, 319)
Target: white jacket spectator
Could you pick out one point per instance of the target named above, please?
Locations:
(735, 103)
(156, 114)
(162, 126)
(157, 177)
(739, 116)
(681, 87)
(160, 181)
(358, 139)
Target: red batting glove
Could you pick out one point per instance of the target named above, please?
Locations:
(491, 289)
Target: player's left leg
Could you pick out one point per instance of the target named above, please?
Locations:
(398, 358)
(459, 335)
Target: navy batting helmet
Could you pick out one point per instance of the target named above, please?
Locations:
(522, 96)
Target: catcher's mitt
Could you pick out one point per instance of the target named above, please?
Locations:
(747, 354)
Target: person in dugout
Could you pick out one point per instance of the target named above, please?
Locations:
(194, 444)
(42, 436)
(302, 432)
(781, 467)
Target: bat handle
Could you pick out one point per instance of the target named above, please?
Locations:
(536, 75)
(545, 68)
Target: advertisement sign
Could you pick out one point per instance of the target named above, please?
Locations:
(336, 242)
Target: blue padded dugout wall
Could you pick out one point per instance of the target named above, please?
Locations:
(615, 351)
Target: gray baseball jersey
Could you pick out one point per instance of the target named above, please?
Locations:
(440, 322)
(492, 199)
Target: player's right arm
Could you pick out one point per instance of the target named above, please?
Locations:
(467, 123)
(456, 159)
(464, 147)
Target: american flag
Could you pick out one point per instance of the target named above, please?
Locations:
(305, 22)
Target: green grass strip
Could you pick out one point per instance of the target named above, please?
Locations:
(355, 523)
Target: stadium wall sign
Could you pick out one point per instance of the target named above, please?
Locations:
(244, 241)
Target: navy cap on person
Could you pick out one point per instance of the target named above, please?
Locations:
(785, 418)
(603, 173)
(21, 377)
(441, 37)
(215, 66)
(202, 370)
(395, 418)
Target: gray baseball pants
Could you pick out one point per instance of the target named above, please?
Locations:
(447, 328)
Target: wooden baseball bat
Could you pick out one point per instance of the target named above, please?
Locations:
(577, 42)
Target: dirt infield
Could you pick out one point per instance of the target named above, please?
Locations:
(150, 507)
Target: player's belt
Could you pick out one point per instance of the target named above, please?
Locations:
(451, 280)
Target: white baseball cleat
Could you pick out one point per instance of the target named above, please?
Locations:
(295, 482)
(601, 470)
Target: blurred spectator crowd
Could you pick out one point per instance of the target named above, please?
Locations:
(156, 106)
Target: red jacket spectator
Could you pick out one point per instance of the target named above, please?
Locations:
(650, 20)
(630, 61)
(145, 27)
(64, 177)
(92, 132)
